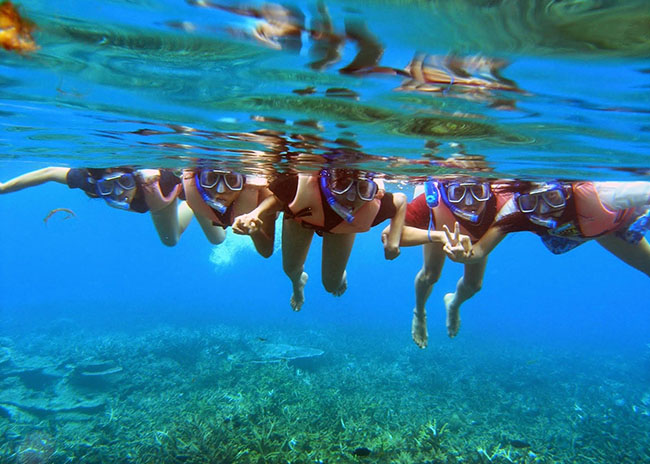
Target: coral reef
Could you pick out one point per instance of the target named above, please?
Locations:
(171, 395)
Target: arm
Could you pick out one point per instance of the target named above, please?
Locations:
(264, 235)
(34, 178)
(392, 239)
(247, 224)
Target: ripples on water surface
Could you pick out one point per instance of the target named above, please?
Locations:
(564, 93)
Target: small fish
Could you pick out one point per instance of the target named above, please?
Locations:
(519, 444)
(262, 339)
(69, 212)
(361, 452)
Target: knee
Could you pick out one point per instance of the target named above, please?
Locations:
(331, 285)
(216, 240)
(169, 241)
(427, 276)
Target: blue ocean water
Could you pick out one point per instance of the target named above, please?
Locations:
(552, 362)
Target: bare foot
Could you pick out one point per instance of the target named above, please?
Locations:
(298, 296)
(343, 286)
(453, 315)
(419, 329)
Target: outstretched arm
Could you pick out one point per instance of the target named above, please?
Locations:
(34, 178)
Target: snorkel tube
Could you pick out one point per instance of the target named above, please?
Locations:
(431, 193)
(216, 204)
(338, 208)
(471, 217)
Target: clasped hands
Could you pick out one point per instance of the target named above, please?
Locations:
(247, 224)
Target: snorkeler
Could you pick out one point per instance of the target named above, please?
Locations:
(566, 215)
(335, 204)
(217, 197)
(468, 207)
(147, 190)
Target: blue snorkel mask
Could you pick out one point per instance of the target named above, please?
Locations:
(552, 194)
(365, 189)
(212, 178)
(454, 193)
(338, 208)
(114, 187)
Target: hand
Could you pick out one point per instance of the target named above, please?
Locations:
(458, 247)
(246, 224)
(390, 251)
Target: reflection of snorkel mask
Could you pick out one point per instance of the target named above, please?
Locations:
(114, 187)
(217, 182)
(551, 194)
(454, 194)
(366, 189)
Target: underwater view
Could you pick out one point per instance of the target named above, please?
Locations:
(325, 231)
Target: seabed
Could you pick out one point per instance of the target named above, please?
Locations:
(227, 394)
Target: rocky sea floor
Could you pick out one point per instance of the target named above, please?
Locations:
(223, 394)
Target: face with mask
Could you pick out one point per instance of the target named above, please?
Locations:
(219, 189)
(117, 187)
(347, 190)
(543, 205)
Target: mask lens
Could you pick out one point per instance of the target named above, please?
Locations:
(554, 198)
(340, 185)
(481, 192)
(527, 203)
(208, 178)
(455, 193)
(367, 189)
(105, 186)
(234, 181)
(126, 181)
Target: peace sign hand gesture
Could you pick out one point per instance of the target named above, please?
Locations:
(458, 247)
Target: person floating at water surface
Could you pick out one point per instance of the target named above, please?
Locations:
(145, 190)
(464, 205)
(335, 204)
(218, 196)
(566, 215)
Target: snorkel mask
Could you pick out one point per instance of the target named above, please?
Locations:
(454, 193)
(114, 187)
(366, 189)
(221, 180)
(552, 194)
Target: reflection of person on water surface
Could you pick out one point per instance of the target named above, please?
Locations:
(336, 204)
(147, 190)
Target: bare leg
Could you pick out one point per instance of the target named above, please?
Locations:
(336, 253)
(466, 288)
(432, 262)
(636, 255)
(171, 222)
(296, 241)
(214, 234)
